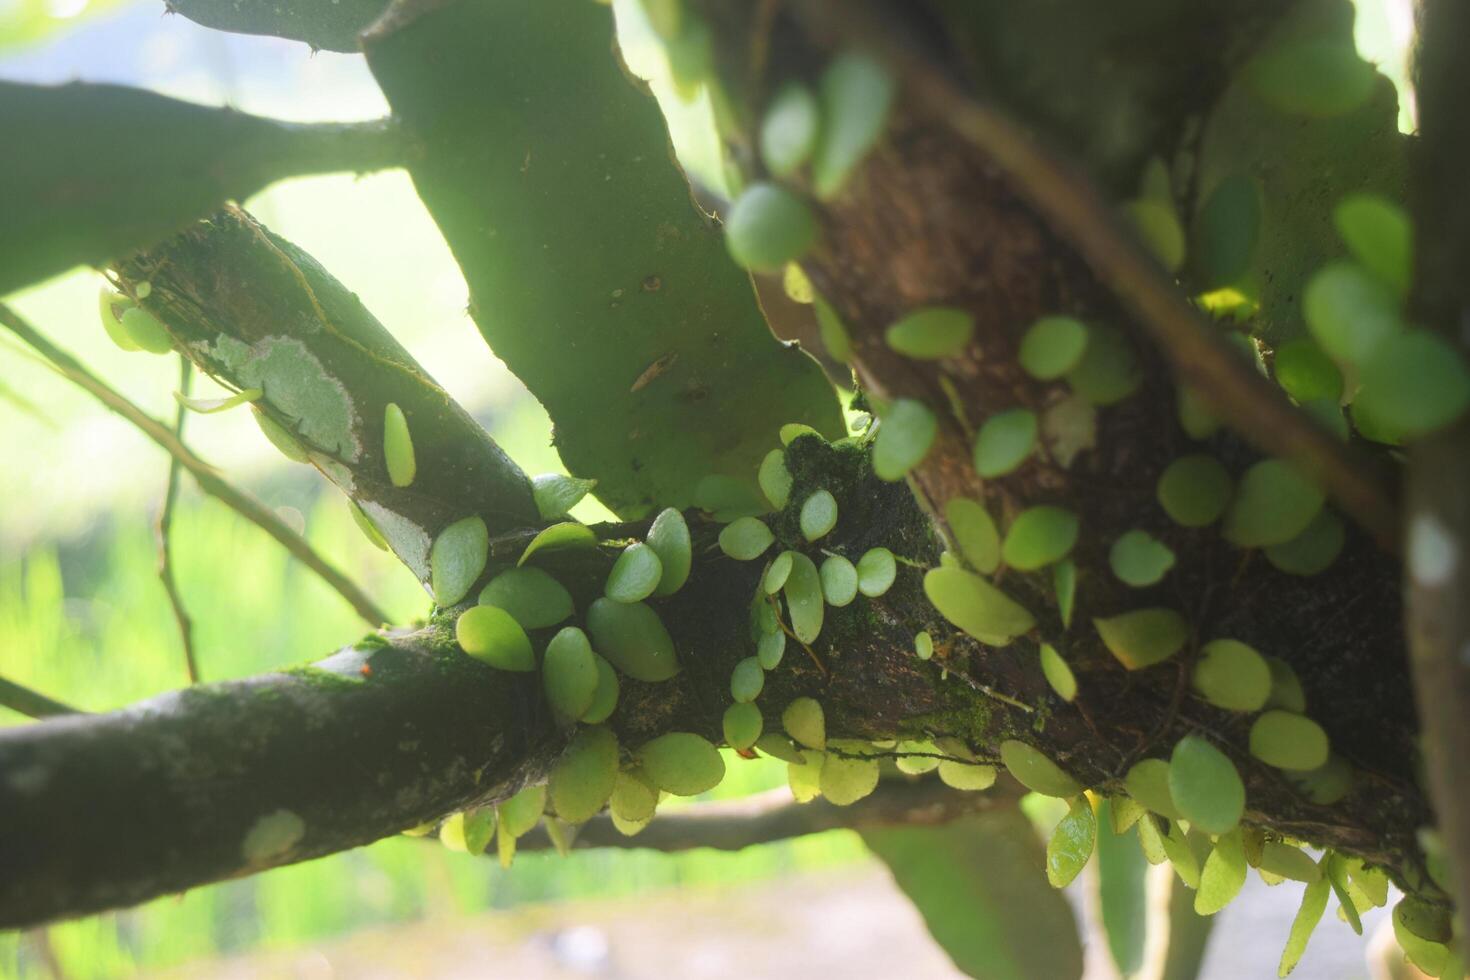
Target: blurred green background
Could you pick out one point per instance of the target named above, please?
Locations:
(83, 616)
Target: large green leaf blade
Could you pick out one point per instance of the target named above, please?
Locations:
(96, 171)
(591, 272)
(332, 25)
(979, 885)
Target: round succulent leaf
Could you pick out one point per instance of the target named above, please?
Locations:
(789, 130)
(1287, 861)
(839, 581)
(967, 776)
(569, 673)
(775, 479)
(1231, 675)
(805, 603)
(747, 680)
(1108, 371)
(1004, 441)
(1273, 503)
(1415, 384)
(974, 533)
(1286, 688)
(904, 438)
(818, 515)
(844, 780)
(366, 525)
(145, 331)
(1306, 373)
(931, 333)
(1350, 312)
(1158, 227)
(745, 538)
(778, 746)
(742, 725)
(1064, 585)
(492, 636)
(855, 92)
(833, 332)
(805, 721)
(565, 536)
(1205, 786)
(634, 797)
(1325, 785)
(110, 306)
(605, 697)
(1223, 875)
(531, 595)
(769, 226)
(776, 574)
(975, 606)
(1052, 346)
(1288, 741)
(923, 645)
(1147, 783)
(804, 775)
(634, 575)
(1312, 551)
(398, 446)
(1143, 637)
(770, 648)
(876, 571)
(520, 814)
(1379, 235)
(280, 437)
(457, 558)
(1034, 770)
(668, 536)
(633, 638)
(1071, 843)
(1194, 490)
(682, 763)
(1058, 673)
(557, 493)
(1139, 559)
(582, 780)
(1039, 536)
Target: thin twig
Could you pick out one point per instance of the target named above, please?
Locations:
(1068, 199)
(165, 525)
(209, 481)
(29, 703)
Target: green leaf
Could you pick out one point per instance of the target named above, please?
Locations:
(789, 130)
(976, 606)
(1286, 861)
(398, 447)
(682, 763)
(1064, 584)
(530, 595)
(746, 538)
(1273, 503)
(1194, 489)
(1158, 227)
(747, 680)
(1181, 855)
(1143, 637)
(556, 494)
(968, 776)
(210, 406)
(742, 725)
(974, 533)
(804, 601)
(833, 332)
(457, 558)
(569, 673)
(974, 881)
(770, 648)
(876, 570)
(1306, 372)
(1313, 550)
(1414, 384)
(1108, 371)
(1314, 903)
(1071, 844)
(635, 574)
(1223, 875)
(1379, 235)
(1350, 312)
(1227, 231)
(775, 479)
(805, 721)
(1038, 537)
(844, 781)
(1122, 893)
(1315, 77)
(145, 331)
(932, 333)
(1288, 741)
(108, 170)
(1004, 441)
(491, 635)
(769, 226)
(633, 638)
(1058, 674)
(1205, 786)
(1034, 770)
(566, 536)
(818, 515)
(1052, 346)
(1147, 783)
(1139, 559)
(591, 245)
(668, 536)
(582, 780)
(904, 437)
(1232, 676)
(1286, 688)
(856, 92)
(839, 581)
(331, 26)
(605, 696)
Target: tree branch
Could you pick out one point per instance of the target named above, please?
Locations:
(733, 825)
(30, 703)
(1067, 198)
(209, 481)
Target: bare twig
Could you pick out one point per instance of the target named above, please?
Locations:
(1069, 200)
(731, 825)
(165, 525)
(209, 481)
(29, 703)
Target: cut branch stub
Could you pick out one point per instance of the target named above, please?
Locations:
(254, 311)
